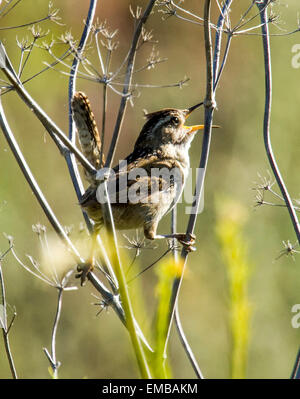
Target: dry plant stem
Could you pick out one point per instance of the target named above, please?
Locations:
(32, 182)
(24, 25)
(209, 108)
(216, 77)
(4, 7)
(104, 109)
(296, 370)
(52, 358)
(49, 125)
(107, 295)
(55, 325)
(266, 126)
(127, 83)
(70, 158)
(61, 58)
(218, 41)
(5, 329)
(267, 139)
(186, 346)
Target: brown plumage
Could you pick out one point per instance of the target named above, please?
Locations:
(162, 145)
(88, 134)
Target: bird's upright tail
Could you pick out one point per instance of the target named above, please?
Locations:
(88, 134)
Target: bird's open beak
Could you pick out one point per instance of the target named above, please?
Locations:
(188, 112)
(190, 129)
(191, 109)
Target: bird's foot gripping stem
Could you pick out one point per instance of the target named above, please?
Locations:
(186, 240)
(83, 270)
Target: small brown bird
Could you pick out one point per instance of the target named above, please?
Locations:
(140, 196)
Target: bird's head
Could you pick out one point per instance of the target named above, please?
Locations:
(167, 126)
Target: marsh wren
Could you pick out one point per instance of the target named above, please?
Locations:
(162, 145)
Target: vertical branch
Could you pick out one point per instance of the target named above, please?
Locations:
(267, 139)
(262, 6)
(209, 109)
(127, 83)
(104, 109)
(296, 370)
(187, 348)
(5, 328)
(52, 358)
(209, 59)
(209, 104)
(218, 41)
(55, 325)
(185, 344)
(71, 162)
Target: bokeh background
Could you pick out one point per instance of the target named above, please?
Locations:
(98, 346)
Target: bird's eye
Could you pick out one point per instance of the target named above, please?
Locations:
(175, 120)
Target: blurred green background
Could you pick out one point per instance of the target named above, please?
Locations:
(99, 347)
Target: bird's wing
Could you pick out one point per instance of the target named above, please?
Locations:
(145, 179)
(88, 134)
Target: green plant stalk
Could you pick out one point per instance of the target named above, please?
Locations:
(165, 271)
(124, 294)
(125, 299)
(234, 252)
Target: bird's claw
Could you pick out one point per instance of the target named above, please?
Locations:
(84, 269)
(188, 241)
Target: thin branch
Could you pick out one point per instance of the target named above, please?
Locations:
(186, 346)
(104, 110)
(26, 24)
(151, 265)
(209, 108)
(127, 83)
(296, 370)
(267, 114)
(5, 329)
(32, 182)
(49, 125)
(262, 7)
(22, 67)
(49, 66)
(70, 158)
(2, 13)
(266, 131)
(52, 358)
(218, 41)
(243, 16)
